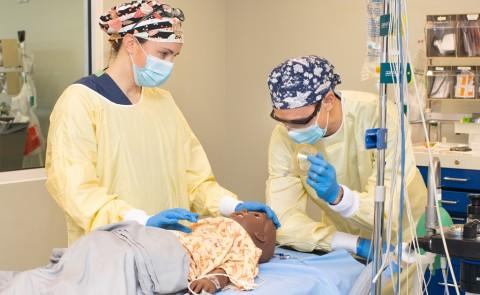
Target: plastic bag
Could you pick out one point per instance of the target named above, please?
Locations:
(22, 111)
(370, 69)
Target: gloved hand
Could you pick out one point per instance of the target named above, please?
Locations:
(323, 179)
(365, 248)
(259, 207)
(169, 219)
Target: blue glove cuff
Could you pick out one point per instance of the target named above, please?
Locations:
(362, 245)
(150, 222)
(332, 195)
(365, 248)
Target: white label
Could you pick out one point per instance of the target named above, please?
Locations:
(472, 16)
(442, 18)
(440, 68)
(464, 68)
(379, 194)
(302, 157)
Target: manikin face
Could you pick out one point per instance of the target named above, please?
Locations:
(261, 229)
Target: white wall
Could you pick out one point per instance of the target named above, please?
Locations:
(31, 224)
(199, 81)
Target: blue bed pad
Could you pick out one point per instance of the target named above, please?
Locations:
(305, 274)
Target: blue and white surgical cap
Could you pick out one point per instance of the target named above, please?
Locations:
(301, 81)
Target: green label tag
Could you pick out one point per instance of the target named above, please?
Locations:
(384, 24)
(387, 76)
(409, 73)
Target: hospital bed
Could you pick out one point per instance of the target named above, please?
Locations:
(296, 273)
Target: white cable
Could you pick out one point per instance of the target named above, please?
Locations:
(391, 195)
(443, 268)
(394, 172)
(431, 163)
(430, 160)
(420, 270)
(412, 226)
(429, 278)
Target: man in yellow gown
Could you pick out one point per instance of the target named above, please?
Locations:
(341, 178)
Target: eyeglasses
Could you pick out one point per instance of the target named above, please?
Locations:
(164, 10)
(302, 121)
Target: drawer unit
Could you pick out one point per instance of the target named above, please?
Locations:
(462, 179)
(456, 185)
(437, 284)
(454, 202)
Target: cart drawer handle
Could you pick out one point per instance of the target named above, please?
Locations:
(448, 285)
(455, 179)
(449, 202)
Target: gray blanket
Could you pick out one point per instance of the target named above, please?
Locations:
(123, 258)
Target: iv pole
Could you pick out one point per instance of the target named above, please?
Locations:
(387, 72)
(379, 209)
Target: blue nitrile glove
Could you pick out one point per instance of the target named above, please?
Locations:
(259, 207)
(169, 219)
(391, 269)
(323, 179)
(365, 248)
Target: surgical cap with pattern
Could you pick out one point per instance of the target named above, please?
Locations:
(128, 18)
(301, 81)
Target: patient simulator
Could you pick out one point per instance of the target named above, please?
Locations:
(128, 258)
(220, 253)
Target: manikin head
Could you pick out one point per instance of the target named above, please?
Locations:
(261, 229)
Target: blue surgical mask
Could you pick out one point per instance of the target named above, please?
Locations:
(310, 134)
(155, 72)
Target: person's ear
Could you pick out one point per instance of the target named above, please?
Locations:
(129, 43)
(260, 236)
(328, 101)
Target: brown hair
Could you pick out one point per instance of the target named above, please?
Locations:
(116, 43)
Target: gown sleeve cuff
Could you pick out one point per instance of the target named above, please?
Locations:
(137, 215)
(349, 204)
(344, 241)
(227, 205)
